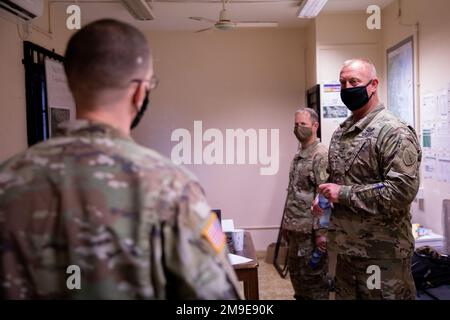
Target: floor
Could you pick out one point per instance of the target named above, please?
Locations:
(273, 287)
(440, 293)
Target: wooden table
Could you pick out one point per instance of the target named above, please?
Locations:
(248, 272)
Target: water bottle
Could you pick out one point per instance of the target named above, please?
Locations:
(326, 207)
(315, 258)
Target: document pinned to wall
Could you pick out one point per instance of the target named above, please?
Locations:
(332, 105)
(333, 110)
(444, 167)
(436, 135)
(448, 105)
(61, 106)
(429, 111)
(442, 124)
(429, 164)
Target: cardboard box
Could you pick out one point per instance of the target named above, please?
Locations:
(282, 253)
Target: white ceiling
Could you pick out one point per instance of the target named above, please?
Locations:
(174, 14)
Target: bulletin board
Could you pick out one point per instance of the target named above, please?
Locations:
(48, 98)
(435, 126)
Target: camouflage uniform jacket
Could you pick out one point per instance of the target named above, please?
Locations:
(307, 172)
(377, 161)
(137, 226)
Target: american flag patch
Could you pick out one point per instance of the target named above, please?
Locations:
(213, 233)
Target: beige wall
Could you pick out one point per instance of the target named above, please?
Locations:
(340, 37)
(432, 53)
(344, 28)
(244, 79)
(13, 127)
(250, 79)
(311, 54)
(13, 135)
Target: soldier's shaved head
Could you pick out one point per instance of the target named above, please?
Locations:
(102, 58)
(362, 63)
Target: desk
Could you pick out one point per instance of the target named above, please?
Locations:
(248, 272)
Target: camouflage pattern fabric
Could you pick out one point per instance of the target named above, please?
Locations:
(396, 281)
(377, 161)
(307, 172)
(308, 283)
(137, 226)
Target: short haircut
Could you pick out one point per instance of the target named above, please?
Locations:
(364, 61)
(312, 114)
(105, 55)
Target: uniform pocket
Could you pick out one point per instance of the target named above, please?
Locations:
(361, 165)
(360, 151)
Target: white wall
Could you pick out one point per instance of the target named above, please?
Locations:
(432, 49)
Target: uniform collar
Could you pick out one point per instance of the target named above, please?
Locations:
(349, 125)
(304, 153)
(82, 127)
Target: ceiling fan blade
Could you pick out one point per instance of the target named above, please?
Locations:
(256, 24)
(203, 19)
(202, 30)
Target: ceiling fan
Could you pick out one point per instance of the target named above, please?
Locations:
(225, 23)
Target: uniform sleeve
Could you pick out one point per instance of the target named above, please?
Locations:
(320, 172)
(399, 159)
(320, 166)
(195, 252)
(15, 278)
(289, 195)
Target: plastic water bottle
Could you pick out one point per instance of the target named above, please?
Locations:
(326, 207)
(315, 258)
(324, 222)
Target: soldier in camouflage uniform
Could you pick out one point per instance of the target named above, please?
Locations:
(135, 225)
(307, 172)
(374, 161)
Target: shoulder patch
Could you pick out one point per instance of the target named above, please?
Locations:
(410, 156)
(213, 233)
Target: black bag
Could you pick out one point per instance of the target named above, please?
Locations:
(430, 269)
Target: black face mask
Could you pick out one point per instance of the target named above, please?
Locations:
(141, 111)
(355, 98)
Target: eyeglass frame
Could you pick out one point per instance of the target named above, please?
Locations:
(153, 81)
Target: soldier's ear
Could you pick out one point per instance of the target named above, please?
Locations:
(316, 125)
(374, 83)
(139, 94)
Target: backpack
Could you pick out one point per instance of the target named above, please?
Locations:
(430, 268)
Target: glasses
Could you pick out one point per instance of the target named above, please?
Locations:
(153, 82)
